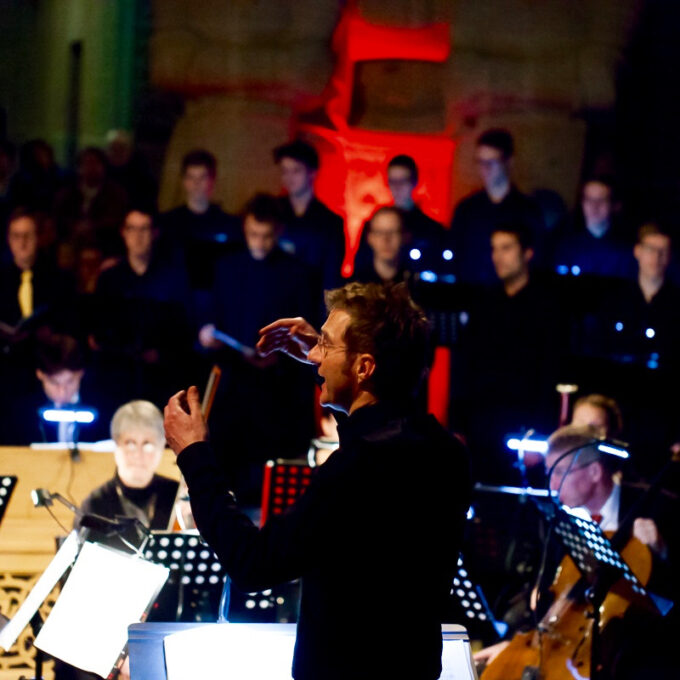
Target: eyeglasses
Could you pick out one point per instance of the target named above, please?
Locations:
(654, 250)
(325, 347)
(132, 446)
(562, 471)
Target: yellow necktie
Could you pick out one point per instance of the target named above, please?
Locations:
(26, 293)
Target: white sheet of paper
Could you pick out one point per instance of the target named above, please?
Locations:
(106, 591)
(457, 661)
(55, 569)
(243, 651)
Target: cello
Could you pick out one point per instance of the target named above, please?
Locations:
(559, 648)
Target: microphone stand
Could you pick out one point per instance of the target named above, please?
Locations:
(36, 624)
(73, 449)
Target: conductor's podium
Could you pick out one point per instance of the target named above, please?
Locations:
(247, 651)
(28, 534)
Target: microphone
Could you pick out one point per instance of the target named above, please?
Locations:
(42, 498)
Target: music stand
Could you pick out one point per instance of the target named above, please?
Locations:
(284, 481)
(106, 590)
(469, 600)
(194, 568)
(28, 611)
(7, 484)
(602, 568)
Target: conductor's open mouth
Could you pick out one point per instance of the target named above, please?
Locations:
(319, 380)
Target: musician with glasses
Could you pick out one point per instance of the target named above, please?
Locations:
(376, 536)
(585, 480)
(135, 490)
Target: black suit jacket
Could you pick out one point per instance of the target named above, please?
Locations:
(53, 295)
(375, 539)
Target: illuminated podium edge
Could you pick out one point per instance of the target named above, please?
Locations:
(147, 655)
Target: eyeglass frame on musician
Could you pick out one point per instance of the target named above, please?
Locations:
(325, 347)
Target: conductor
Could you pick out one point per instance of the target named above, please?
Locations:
(376, 536)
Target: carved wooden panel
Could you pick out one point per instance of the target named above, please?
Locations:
(19, 661)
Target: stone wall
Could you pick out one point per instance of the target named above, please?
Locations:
(537, 68)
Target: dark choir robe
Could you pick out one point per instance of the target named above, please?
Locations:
(639, 340)
(98, 218)
(510, 356)
(574, 246)
(264, 408)
(420, 232)
(317, 237)
(198, 240)
(474, 220)
(142, 330)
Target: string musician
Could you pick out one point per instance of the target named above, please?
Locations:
(642, 524)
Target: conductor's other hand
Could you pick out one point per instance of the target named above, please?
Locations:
(295, 337)
(184, 422)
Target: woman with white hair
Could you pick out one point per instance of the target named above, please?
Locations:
(135, 490)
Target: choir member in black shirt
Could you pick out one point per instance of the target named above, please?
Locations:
(60, 381)
(498, 204)
(92, 206)
(199, 231)
(312, 231)
(420, 232)
(385, 239)
(265, 406)
(591, 241)
(142, 335)
(510, 357)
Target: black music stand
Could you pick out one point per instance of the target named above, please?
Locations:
(195, 571)
(7, 484)
(283, 482)
(471, 606)
(602, 568)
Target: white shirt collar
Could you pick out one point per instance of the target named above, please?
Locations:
(609, 511)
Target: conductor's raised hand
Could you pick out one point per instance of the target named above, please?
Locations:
(295, 337)
(184, 422)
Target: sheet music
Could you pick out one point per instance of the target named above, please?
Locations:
(106, 591)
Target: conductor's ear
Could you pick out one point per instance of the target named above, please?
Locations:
(364, 367)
